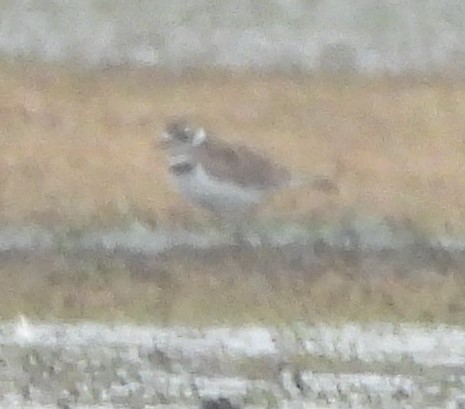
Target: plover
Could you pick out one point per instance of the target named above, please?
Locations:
(227, 179)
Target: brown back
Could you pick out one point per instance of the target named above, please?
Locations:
(240, 165)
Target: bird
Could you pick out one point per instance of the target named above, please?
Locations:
(228, 180)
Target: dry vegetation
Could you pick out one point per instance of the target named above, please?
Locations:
(77, 150)
(223, 292)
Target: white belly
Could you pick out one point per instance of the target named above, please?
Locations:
(223, 199)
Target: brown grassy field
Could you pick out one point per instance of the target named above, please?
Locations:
(77, 150)
(194, 293)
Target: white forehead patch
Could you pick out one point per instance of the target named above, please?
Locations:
(165, 136)
(199, 137)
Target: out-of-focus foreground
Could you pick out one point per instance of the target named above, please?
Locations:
(98, 366)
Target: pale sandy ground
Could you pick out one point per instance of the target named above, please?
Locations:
(90, 365)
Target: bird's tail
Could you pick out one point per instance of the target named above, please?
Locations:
(327, 183)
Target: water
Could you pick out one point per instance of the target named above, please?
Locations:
(367, 36)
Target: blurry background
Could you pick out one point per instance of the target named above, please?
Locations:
(366, 36)
(369, 91)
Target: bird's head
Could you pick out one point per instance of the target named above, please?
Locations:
(180, 137)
